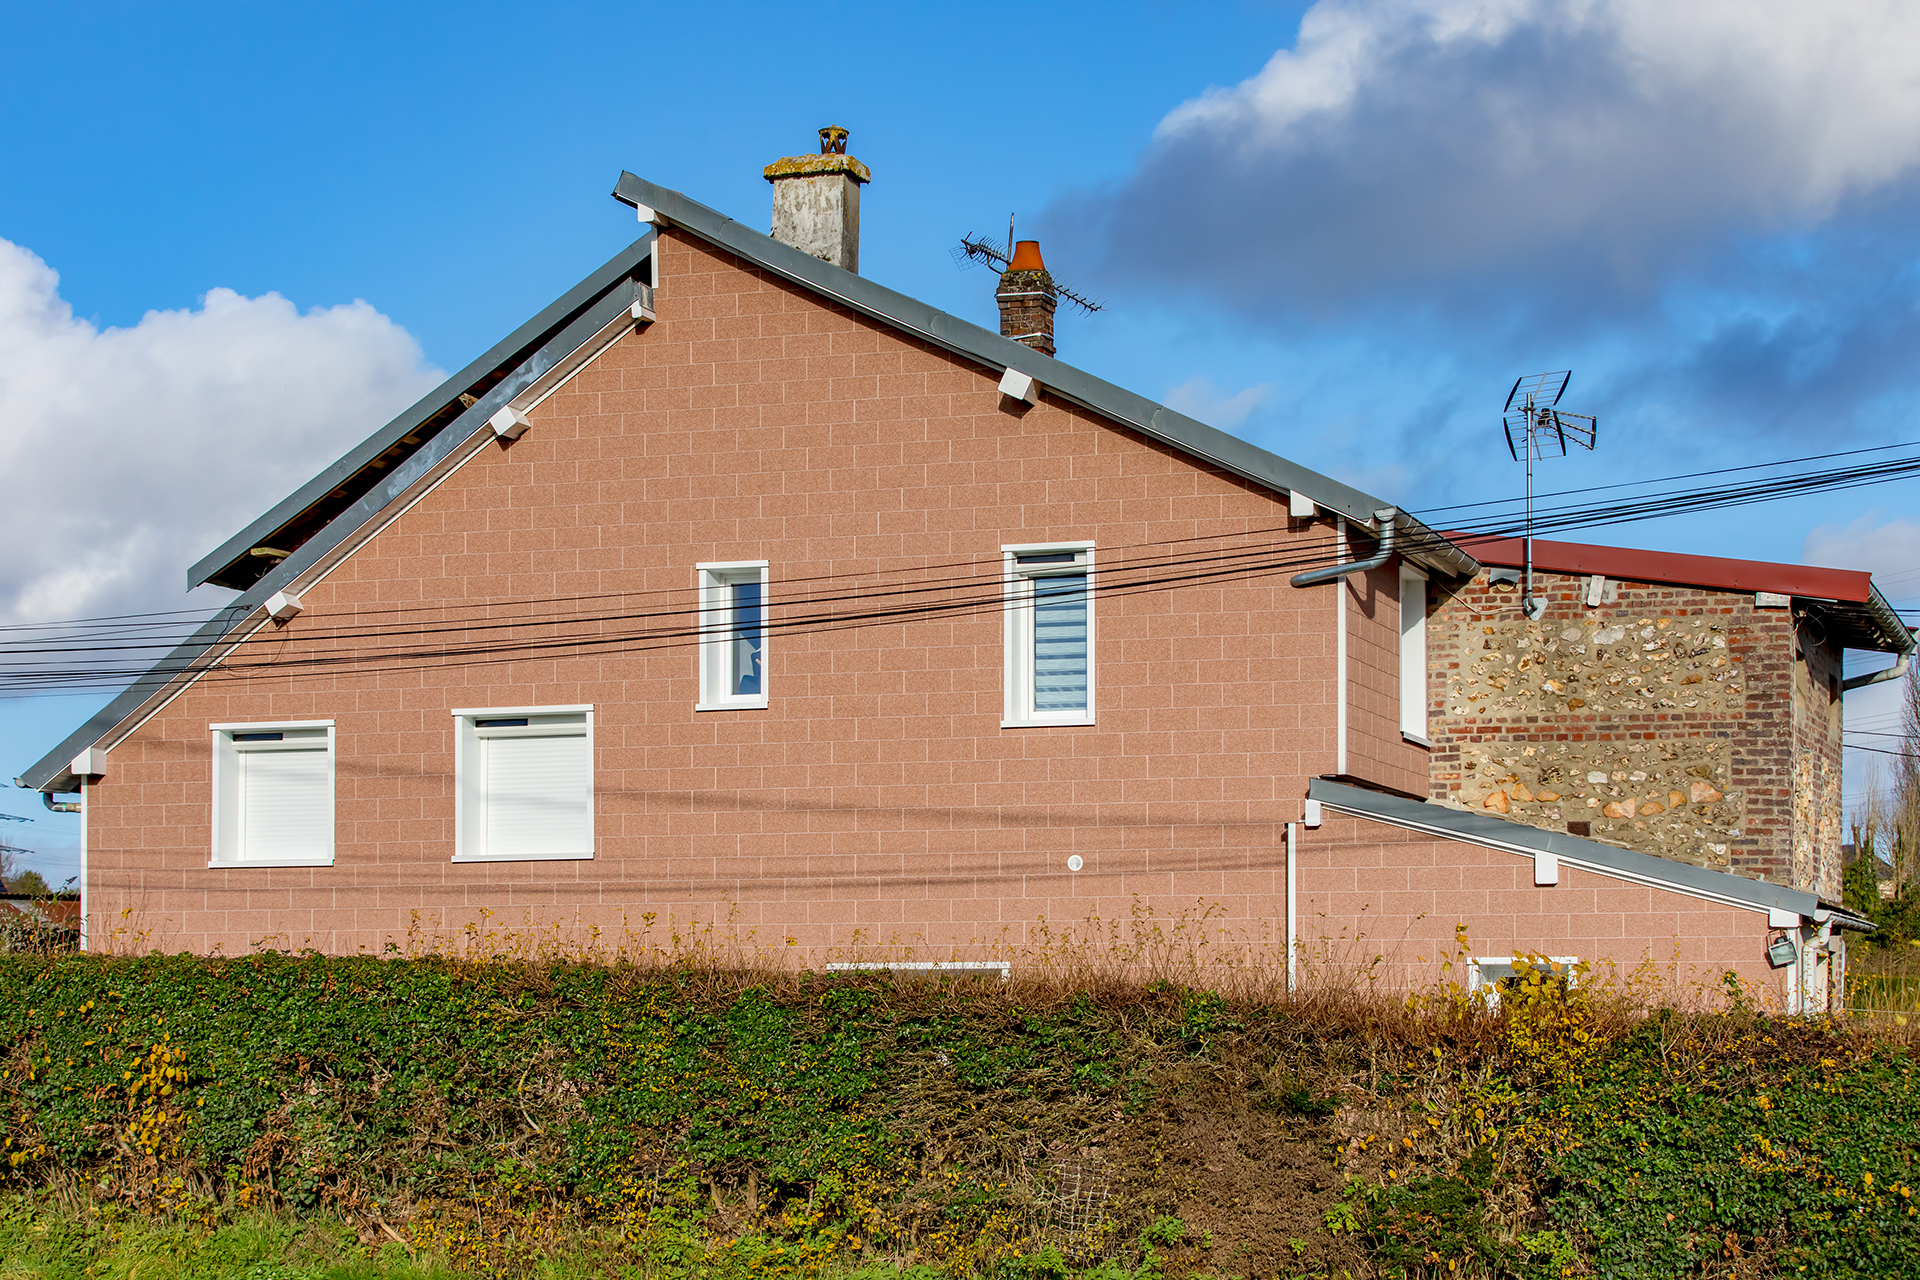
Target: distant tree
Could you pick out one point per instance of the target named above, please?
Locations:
(1903, 817)
(28, 882)
(1860, 882)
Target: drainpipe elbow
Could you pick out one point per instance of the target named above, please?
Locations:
(1385, 517)
(1893, 672)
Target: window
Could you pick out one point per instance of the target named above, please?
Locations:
(1413, 654)
(1049, 634)
(523, 779)
(273, 794)
(733, 644)
(1488, 976)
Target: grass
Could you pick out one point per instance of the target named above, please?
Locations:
(1884, 981)
(42, 1240)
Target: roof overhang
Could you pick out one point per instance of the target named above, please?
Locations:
(321, 522)
(1589, 855)
(248, 556)
(588, 331)
(1848, 605)
(997, 354)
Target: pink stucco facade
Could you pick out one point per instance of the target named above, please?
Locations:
(877, 799)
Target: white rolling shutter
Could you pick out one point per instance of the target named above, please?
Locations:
(538, 795)
(273, 794)
(285, 804)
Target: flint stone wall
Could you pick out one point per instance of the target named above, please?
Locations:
(1668, 719)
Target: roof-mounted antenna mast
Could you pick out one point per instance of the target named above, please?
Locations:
(1536, 429)
(974, 250)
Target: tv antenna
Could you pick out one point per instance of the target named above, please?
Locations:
(1536, 428)
(974, 250)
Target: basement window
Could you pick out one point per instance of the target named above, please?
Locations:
(1049, 634)
(1488, 976)
(733, 636)
(273, 794)
(523, 784)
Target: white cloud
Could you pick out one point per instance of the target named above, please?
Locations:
(1888, 549)
(129, 453)
(1198, 398)
(1595, 142)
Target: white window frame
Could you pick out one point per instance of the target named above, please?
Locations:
(715, 638)
(226, 832)
(1413, 655)
(1019, 712)
(1489, 989)
(468, 825)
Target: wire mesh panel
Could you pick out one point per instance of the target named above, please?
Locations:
(1081, 1191)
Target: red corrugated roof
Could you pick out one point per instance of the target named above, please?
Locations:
(1628, 565)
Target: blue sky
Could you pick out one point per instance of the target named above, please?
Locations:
(238, 236)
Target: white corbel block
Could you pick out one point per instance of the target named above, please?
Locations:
(650, 214)
(1546, 867)
(1299, 504)
(641, 312)
(509, 423)
(1311, 818)
(1781, 918)
(1021, 387)
(91, 763)
(283, 605)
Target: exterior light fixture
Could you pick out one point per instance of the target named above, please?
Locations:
(1781, 952)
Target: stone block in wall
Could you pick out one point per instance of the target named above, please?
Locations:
(1673, 799)
(1606, 667)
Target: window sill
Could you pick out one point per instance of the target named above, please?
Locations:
(253, 863)
(524, 857)
(1416, 739)
(760, 705)
(1043, 724)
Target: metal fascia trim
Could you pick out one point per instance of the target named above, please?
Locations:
(224, 631)
(354, 460)
(1589, 855)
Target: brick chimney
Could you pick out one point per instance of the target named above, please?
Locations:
(1027, 299)
(816, 201)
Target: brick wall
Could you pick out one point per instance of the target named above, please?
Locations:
(1668, 718)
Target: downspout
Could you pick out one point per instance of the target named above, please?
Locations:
(1890, 626)
(1893, 672)
(1292, 919)
(1384, 552)
(1385, 518)
(57, 806)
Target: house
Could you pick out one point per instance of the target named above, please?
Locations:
(735, 587)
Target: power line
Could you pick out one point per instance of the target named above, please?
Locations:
(982, 588)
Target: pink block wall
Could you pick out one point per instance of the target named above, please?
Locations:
(1382, 897)
(878, 793)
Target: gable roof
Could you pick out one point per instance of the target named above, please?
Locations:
(1857, 615)
(323, 520)
(1117, 404)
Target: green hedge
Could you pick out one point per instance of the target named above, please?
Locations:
(795, 1124)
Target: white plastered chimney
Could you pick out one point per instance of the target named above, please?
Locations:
(816, 201)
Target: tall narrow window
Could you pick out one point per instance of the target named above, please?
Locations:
(1049, 640)
(733, 637)
(273, 794)
(1413, 654)
(524, 784)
